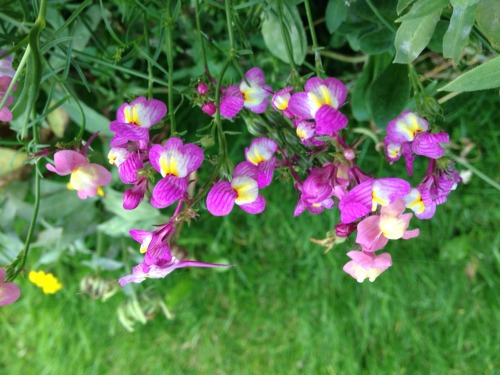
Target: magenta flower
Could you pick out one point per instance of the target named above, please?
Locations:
(375, 231)
(317, 191)
(134, 120)
(9, 292)
(321, 102)
(209, 108)
(5, 113)
(408, 135)
(306, 131)
(86, 178)
(175, 162)
(367, 265)
(242, 190)
(251, 93)
(366, 196)
(281, 99)
(261, 154)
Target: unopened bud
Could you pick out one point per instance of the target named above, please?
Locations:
(202, 89)
(344, 230)
(349, 154)
(209, 108)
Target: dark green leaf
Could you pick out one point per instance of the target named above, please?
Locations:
(488, 20)
(377, 41)
(389, 94)
(483, 77)
(436, 42)
(336, 13)
(413, 36)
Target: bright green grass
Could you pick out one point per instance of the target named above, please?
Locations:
(287, 308)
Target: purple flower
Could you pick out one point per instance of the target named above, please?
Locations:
(366, 196)
(175, 162)
(321, 102)
(134, 120)
(232, 101)
(375, 231)
(6, 65)
(367, 265)
(261, 154)
(9, 292)
(242, 190)
(5, 113)
(281, 99)
(86, 178)
(316, 191)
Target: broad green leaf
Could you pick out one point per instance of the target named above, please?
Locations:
(336, 13)
(389, 94)
(402, 5)
(378, 41)
(273, 37)
(10, 160)
(413, 36)
(488, 20)
(461, 23)
(483, 77)
(424, 8)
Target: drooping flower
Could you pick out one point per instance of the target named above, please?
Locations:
(367, 265)
(251, 93)
(174, 161)
(242, 190)
(321, 101)
(375, 231)
(366, 197)
(86, 178)
(261, 154)
(47, 281)
(134, 120)
(9, 292)
(408, 135)
(280, 101)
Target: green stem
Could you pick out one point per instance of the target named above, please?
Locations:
(317, 56)
(286, 36)
(150, 66)
(170, 63)
(200, 36)
(229, 18)
(343, 58)
(19, 70)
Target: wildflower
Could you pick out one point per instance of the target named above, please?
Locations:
(366, 197)
(316, 191)
(5, 113)
(134, 120)
(9, 292)
(242, 190)
(375, 231)
(86, 178)
(251, 93)
(175, 162)
(321, 102)
(47, 281)
(117, 155)
(367, 265)
(261, 154)
(408, 135)
(281, 99)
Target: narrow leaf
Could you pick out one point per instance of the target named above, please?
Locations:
(483, 77)
(456, 36)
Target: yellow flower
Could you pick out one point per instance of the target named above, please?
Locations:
(47, 281)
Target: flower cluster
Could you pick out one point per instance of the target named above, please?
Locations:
(46, 281)
(6, 75)
(372, 207)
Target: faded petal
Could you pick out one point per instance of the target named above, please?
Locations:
(9, 293)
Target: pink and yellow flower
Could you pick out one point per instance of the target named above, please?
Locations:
(367, 265)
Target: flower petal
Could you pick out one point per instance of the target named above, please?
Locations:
(66, 161)
(300, 106)
(168, 190)
(256, 207)
(329, 121)
(220, 199)
(9, 293)
(356, 203)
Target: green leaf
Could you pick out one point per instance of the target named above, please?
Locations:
(378, 41)
(488, 20)
(483, 77)
(423, 8)
(402, 5)
(336, 13)
(389, 94)
(461, 23)
(413, 36)
(271, 32)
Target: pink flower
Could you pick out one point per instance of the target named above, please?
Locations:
(9, 292)
(5, 113)
(367, 265)
(261, 154)
(321, 102)
(86, 178)
(281, 99)
(135, 119)
(209, 108)
(242, 190)
(375, 231)
(175, 162)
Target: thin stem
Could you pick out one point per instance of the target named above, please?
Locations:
(229, 18)
(200, 36)
(343, 58)
(16, 76)
(170, 63)
(317, 56)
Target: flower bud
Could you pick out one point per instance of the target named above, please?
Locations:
(202, 89)
(349, 154)
(209, 108)
(344, 230)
